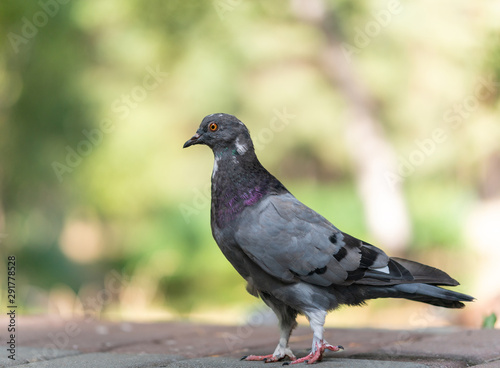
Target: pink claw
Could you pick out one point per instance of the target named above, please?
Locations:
(312, 358)
(265, 358)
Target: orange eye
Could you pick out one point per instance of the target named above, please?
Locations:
(213, 127)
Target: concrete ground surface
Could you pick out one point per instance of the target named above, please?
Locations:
(50, 342)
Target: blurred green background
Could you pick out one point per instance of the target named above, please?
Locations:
(382, 116)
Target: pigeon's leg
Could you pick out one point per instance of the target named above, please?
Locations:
(317, 320)
(287, 323)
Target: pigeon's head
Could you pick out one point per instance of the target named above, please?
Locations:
(220, 132)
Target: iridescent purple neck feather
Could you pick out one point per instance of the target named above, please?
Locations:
(239, 181)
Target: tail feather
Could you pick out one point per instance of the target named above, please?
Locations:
(430, 294)
(411, 280)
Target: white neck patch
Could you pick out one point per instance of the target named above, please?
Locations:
(240, 147)
(216, 166)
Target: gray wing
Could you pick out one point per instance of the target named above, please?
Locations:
(292, 242)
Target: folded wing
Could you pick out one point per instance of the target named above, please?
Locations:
(290, 241)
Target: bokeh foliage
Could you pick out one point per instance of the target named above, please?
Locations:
(123, 206)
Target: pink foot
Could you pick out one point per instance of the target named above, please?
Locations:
(316, 356)
(265, 358)
(271, 357)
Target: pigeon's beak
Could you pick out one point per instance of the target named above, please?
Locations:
(192, 140)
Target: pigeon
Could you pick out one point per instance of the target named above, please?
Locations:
(293, 258)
